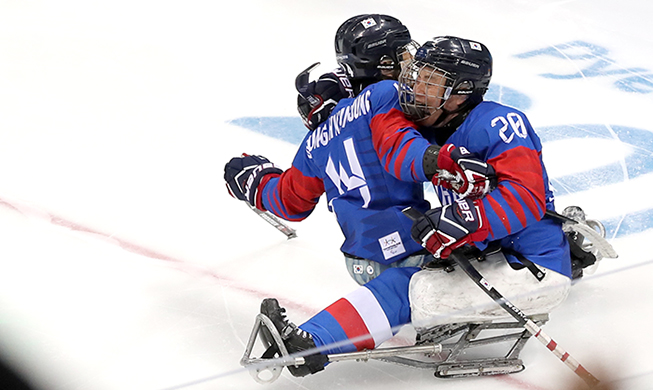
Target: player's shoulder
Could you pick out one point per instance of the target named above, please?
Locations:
(489, 110)
(383, 87)
(491, 123)
(489, 114)
(381, 94)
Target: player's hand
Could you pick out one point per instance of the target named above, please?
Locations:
(469, 176)
(243, 175)
(317, 99)
(443, 229)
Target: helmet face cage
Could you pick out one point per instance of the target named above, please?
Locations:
(406, 53)
(391, 67)
(423, 89)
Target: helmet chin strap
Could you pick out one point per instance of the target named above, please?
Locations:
(464, 108)
(441, 118)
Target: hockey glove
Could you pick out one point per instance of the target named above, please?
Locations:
(317, 99)
(243, 175)
(470, 177)
(443, 229)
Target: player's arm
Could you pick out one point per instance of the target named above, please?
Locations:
(408, 156)
(398, 144)
(292, 195)
(288, 194)
(519, 198)
(520, 195)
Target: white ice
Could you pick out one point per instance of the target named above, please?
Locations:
(124, 263)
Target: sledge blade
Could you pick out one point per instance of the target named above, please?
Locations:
(598, 241)
(479, 368)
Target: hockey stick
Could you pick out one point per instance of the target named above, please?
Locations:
(527, 323)
(274, 221)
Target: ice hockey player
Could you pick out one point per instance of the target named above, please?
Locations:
(381, 174)
(442, 90)
(371, 162)
(369, 48)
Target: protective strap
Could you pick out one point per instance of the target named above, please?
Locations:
(473, 252)
(535, 270)
(495, 247)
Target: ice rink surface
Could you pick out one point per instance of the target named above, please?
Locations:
(124, 263)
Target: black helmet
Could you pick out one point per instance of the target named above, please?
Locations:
(468, 62)
(459, 66)
(367, 46)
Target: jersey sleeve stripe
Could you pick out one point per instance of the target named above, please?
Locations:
(522, 165)
(514, 207)
(291, 196)
(496, 217)
(398, 145)
(413, 171)
(399, 159)
(526, 201)
(519, 198)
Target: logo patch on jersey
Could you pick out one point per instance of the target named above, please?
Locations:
(391, 245)
(369, 22)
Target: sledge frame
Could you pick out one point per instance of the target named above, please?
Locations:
(446, 360)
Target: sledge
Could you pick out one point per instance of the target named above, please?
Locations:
(443, 349)
(453, 350)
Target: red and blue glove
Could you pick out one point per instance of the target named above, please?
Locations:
(244, 174)
(443, 229)
(470, 177)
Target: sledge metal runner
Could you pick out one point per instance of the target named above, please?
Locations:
(465, 341)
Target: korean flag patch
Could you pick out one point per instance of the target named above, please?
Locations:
(475, 46)
(369, 22)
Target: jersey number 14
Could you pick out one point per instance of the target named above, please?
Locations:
(341, 179)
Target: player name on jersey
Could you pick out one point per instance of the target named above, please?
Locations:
(337, 121)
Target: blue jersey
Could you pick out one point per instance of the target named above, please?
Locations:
(503, 137)
(368, 159)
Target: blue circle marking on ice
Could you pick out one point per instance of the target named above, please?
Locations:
(508, 96)
(586, 60)
(285, 128)
(638, 162)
